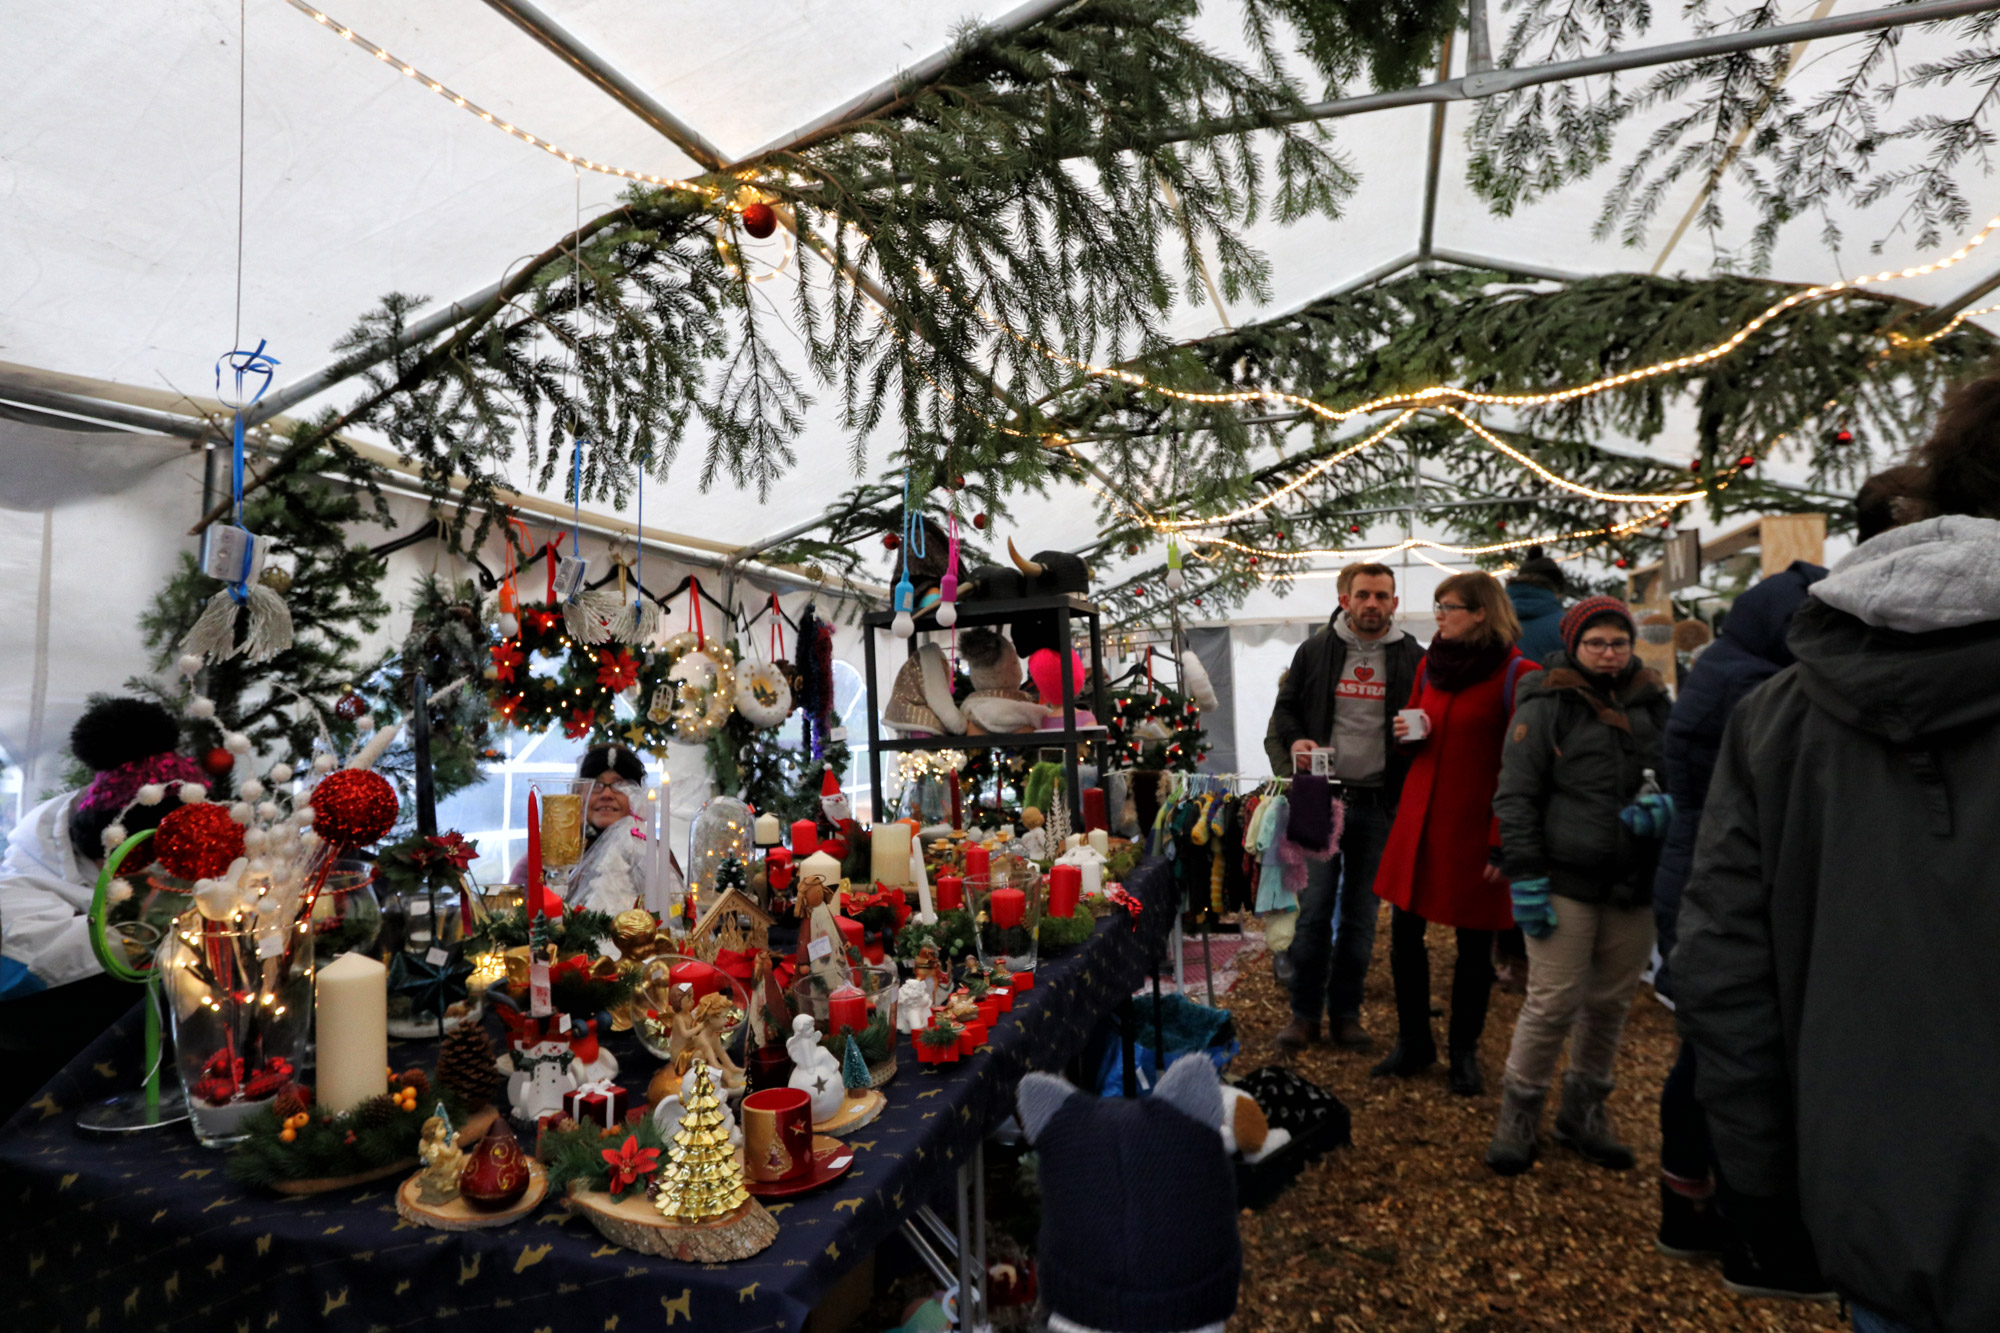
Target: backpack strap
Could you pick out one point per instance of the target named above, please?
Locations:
(1515, 665)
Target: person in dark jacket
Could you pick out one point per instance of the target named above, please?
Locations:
(1343, 690)
(1835, 968)
(1750, 650)
(1536, 590)
(1581, 752)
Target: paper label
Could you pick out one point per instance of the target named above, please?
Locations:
(1322, 762)
(837, 734)
(271, 945)
(437, 957)
(820, 947)
(232, 554)
(570, 573)
(562, 1022)
(539, 1003)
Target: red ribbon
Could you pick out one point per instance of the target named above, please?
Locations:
(694, 612)
(583, 1041)
(550, 554)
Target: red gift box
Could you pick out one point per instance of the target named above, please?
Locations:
(1024, 981)
(989, 1010)
(603, 1104)
(971, 1039)
(1005, 997)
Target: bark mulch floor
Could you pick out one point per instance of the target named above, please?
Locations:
(1408, 1230)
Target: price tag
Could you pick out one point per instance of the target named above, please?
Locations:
(539, 1003)
(570, 573)
(1322, 761)
(837, 734)
(232, 554)
(820, 947)
(271, 945)
(437, 957)
(562, 1023)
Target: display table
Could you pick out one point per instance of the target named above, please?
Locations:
(148, 1233)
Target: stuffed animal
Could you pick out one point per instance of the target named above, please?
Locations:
(920, 702)
(1138, 1205)
(997, 704)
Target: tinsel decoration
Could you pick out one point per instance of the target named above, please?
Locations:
(267, 620)
(353, 807)
(588, 616)
(198, 841)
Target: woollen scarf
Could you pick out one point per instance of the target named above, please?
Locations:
(1457, 664)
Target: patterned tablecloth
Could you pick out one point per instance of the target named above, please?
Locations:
(149, 1234)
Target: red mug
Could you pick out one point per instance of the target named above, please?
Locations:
(777, 1134)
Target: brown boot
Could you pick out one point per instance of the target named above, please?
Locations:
(1350, 1035)
(1298, 1034)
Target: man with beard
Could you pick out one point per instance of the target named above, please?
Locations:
(1343, 690)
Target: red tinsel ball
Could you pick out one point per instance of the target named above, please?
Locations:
(759, 219)
(218, 761)
(198, 841)
(349, 706)
(353, 807)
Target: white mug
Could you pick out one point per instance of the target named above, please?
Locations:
(1418, 721)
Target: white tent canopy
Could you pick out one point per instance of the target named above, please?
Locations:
(120, 175)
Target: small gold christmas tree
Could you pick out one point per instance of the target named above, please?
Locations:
(701, 1179)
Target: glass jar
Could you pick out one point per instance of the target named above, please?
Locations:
(241, 1004)
(1007, 917)
(660, 978)
(347, 916)
(722, 829)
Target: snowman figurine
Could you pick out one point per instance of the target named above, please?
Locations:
(541, 1076)
(814, 1070)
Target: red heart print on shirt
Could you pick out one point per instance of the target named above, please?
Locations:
(1364, 673)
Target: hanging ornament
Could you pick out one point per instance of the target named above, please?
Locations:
(979, 522)
(637, 621)
(763, 695)
(1176, 580)
(1621, 562)
(947, 609)
(1843, 436)
(760, 219)
(1748, 460)
(218, 761)
(277, 580)
(349, 706)
(891, 541)
(913, 544)
(353, 807)
(198, 841)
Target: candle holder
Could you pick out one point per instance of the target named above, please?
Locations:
(240, 1020)
(562, 814)
(347, 915)
(432, 977)
(1007, 917)
(872, 993)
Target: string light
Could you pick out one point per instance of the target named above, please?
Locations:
(1926, 339)
(1317, 469)
(1576, 488)
(1413, 543)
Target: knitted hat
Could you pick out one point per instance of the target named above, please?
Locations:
(1539, 569)
(615, 759)
(1588, 612)
(130, 743)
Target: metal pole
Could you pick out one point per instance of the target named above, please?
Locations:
(1478, 45)
(1434, 160)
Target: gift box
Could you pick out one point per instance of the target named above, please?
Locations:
(932, 1048)
(989, 1010)
(602, 1104)
(971, 1039)
(1024, 981)
(1006, 998)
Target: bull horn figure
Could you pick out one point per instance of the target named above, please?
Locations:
(1031, 568)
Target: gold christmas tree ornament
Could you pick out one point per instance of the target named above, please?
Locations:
(701, 1178)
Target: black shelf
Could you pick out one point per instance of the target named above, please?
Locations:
(996, 612)
(1016, 740)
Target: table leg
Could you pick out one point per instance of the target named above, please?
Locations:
(1127, 1036)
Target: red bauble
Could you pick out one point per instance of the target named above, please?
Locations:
(1253, 560)
(759, 219)
(979, 522)
(198, 841)
(891, 540)
(1138, 592)
(352, 807)
(1843, 437)
(349, 706)
(218, 761)
(496, 1171)
(1748, 460)
(1694, 465)
(1500, 525)
(1354, 527)
(1621, 562)
(1131, 550)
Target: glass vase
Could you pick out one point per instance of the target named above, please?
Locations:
(1007, 918)
(241, 1016)
(432, 987)
(347, 916)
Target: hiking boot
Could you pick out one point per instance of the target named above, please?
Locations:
(1691, 1229)
(1298, 1034)
(1464, 1077)
(1584, 1126)
(1518, 1129)
(1406, 1058)
(1282, 970)
(1768, 1252)
(1349, 1035)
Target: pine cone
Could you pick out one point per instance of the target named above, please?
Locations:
(372, 1114)
(293, 1100)
(415, 1078)
(465, 1067)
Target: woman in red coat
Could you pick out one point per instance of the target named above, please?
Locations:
(1437, 866)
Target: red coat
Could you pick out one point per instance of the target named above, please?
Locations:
(1436, 857)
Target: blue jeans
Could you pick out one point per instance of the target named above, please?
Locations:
(1336, 927)
(1867, 1321)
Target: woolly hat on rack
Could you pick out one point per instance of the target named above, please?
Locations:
(1589, 612)
(128, 744)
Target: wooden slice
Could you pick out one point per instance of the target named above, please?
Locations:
(458, 1215)
(324, 1184)
(882, 1073)
(856, 1110)
(632, 1221)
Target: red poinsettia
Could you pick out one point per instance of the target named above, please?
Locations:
(509, 705)
(617, 670)
(450, 847)
(506, 657)
(581, 720)
(630, 1163)
(544, 620)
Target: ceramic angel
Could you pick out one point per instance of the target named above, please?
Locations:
(667, 1114)
(815, 1070)
(913, 1006)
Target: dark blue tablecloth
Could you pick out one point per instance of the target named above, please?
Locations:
(148, 1234)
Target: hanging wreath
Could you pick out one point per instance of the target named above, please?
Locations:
(702, 684)
(763, 695)
(1155, 728)
(543, 678)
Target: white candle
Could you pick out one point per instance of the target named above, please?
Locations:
(770, 833)
(1072, 842)
(1100, 842)
(660, 898)
(890, 853)
(822, 867)
(351, 1016)
(925, 912)
(1092, 868)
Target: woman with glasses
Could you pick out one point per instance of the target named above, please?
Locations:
(1439, 864)
(1580, 828)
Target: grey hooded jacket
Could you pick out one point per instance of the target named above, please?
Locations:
(1838, 970)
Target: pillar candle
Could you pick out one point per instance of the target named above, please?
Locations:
(1093, 809)
(768, 831)
(700, 978)
(846, 1011)
(957, 802)
(978, 862)
(890, 861)
(1065, 887)
(921, 878)
(1007, 907)
(805, 837)
(1072, 842)
(534, 898)
(851, 933)
(1100, 842)
(950, 892)
(351, 1022)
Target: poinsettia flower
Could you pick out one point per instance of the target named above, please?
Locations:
(581, 720)
(544, 620)
(617, 670)
(630, 1163)
(506, 657)
(452, 847)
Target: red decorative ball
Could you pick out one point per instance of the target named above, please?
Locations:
(1621, 562)
(353, 807)
(1354, 527)
(891, 540)
(1748, 460)
(759, 219)
(1138, 592)
(979, 522)
(198, 841)
(218, 761)
(1132, 549)
(1694, 464)
(1253, 560)
(1843, 437)
(349, 706)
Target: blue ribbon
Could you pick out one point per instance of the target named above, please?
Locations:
(576, 494)
(242, 363)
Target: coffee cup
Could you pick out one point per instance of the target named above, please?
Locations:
(1418, 722)
(777, 1134)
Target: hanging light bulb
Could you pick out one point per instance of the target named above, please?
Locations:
(947, 610)
(1175, 579)
(904, 625)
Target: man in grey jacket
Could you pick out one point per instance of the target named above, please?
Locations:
(1835, 971)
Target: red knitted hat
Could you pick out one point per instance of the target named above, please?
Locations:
(1593, 608)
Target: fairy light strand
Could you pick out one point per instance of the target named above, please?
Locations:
(1316, 470)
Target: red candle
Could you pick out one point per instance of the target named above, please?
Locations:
(957, 803)
(700, 978)
(950, 890)
(847, 1011)
(1007, 907)
(805, 837)
(1093, 809)
(850, 931)
(978, 862)
(534, 885)
(1065, 887)
(778, 869)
